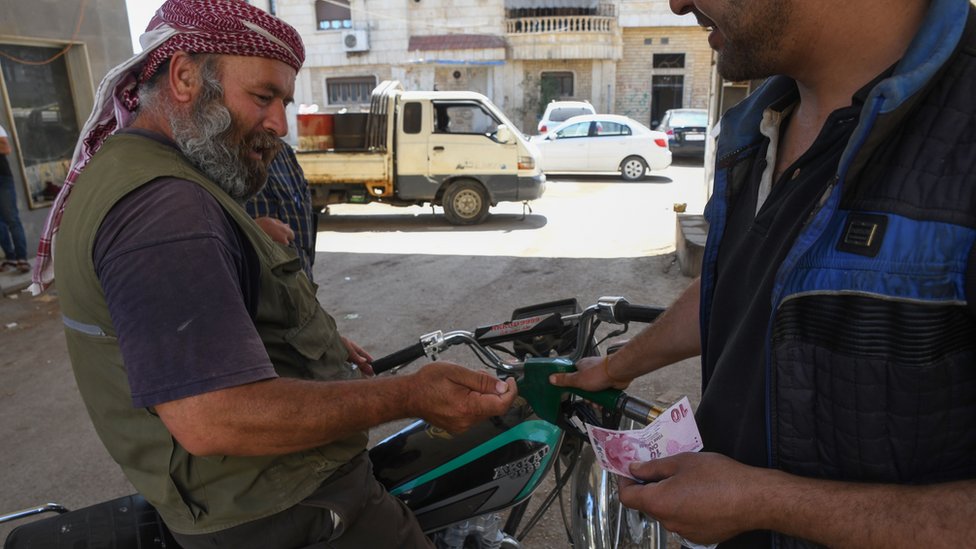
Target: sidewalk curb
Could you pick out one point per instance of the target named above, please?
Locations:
(8, 287)
(12, 283)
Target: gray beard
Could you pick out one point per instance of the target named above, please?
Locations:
(208, 138)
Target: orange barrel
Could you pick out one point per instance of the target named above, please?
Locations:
(315, 132)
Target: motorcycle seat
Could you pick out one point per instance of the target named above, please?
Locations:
(129, 522)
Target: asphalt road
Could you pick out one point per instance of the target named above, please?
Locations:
(387, 275)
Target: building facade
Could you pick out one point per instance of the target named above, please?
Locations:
(626, 57)
(52, 55)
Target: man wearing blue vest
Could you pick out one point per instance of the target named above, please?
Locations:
(835, 312)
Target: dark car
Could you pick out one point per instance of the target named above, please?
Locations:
(686, 129)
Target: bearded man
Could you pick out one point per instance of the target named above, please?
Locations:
(210, 372)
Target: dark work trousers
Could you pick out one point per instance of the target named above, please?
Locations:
(368, 517)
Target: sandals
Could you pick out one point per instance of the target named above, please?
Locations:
(21, 266)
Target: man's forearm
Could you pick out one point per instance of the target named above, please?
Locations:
(282, 415)
(709, 498)
(674, 336)
(842, 514)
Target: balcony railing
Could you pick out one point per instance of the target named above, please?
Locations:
(559, 24)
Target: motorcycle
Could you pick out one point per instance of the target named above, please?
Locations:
(471, 490)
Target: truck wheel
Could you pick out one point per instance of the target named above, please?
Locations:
(633, 168)
(465, 203)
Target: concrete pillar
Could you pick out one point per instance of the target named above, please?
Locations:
(690, 234)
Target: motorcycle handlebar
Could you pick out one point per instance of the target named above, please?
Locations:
(398, 358)
(609, 309)
(626, 312)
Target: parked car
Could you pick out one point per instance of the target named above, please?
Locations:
(558, 112)
(686, 129)
(603, 143)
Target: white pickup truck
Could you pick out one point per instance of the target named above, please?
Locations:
(453, 149)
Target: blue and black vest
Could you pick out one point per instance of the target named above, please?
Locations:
(870, 359)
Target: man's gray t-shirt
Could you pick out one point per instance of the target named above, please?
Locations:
(181, 282)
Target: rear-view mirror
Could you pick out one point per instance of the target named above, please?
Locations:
(503, 134)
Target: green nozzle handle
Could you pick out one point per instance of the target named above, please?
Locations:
(545, 398)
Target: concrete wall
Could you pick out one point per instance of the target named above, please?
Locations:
(619, 82)
(102, 41)
(389, 26)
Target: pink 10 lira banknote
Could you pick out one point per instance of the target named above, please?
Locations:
(673, 432)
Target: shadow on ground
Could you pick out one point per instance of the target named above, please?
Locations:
(408, 222)
(608, 177)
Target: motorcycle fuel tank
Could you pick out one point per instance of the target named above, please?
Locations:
(448, 478)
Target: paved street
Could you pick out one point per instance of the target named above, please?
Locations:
(387, 275)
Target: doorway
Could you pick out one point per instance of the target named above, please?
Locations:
(666, 93)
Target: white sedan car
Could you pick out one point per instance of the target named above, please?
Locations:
(603, 143)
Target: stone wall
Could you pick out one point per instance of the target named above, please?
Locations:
(635, 70)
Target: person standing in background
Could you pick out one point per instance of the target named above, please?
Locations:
(283, 207)
(12, 238)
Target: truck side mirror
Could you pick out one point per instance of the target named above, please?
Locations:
(503, 134)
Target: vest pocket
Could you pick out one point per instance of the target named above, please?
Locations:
(301, 338)
(175, 501)
(315, 337)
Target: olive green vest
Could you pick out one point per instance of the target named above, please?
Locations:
(193, 494)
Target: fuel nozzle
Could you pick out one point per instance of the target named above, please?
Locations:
(638, 410)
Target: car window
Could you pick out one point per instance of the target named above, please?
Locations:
(463, 118)
(610, 129)
(565, 113)
(580, 129)
(412, 117)
(689, 118)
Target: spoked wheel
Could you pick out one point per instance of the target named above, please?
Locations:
(465, 203)
(599, 521)
(633, 168)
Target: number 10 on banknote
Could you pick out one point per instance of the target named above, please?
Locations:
(673, 432)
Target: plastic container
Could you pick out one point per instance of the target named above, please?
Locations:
(350, 131)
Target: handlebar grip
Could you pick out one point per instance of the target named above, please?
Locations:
(626, 312)
(398, 358)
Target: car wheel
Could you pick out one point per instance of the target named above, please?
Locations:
(465, 203)
(633, 168)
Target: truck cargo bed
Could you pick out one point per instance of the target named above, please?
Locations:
(324, 167)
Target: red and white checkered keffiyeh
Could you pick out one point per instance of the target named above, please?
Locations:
(231, 27)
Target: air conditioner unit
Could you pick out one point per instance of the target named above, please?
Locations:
(355, 40)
